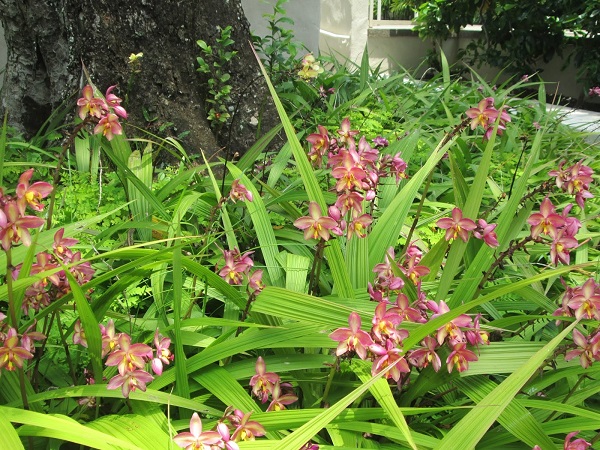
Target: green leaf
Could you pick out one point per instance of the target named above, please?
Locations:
(333, 251)
(181, 376)
(471, 428)
(262, 228)
(303, 434)
(64, 428)
(89, 324)
(10, 438)
(135, 428)
(383, 394)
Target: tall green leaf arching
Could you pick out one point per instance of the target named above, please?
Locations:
(181, 376)
(333, 252)
(471, 428)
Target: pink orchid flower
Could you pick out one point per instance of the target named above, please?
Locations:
(14, 227)
(315, 225)
(460, 357)
(115, 103)
(30, 195)
(263, 382)
(352, 339)
(90, 105)
(109, 126)
(12, 355)
(196, 439)
(457, 226)
(545, 222)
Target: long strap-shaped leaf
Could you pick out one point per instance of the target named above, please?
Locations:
(64, 428)
(470, 210)
(515, 418)
(303, 434)
(469, 431)
(333, 252)
(383, 394)
(10, 438)
(421, 331)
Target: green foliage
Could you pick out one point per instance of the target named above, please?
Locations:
(516, 35)
(214, 63)
(79, 200)
(279, 48)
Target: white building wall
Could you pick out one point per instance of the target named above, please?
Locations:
(305, 14)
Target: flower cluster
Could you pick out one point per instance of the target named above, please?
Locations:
(105, 110)
(594, 91)
(130, 359)
(559, 228)
(383, 344)
(14, 221)
(357, 169)
(575, 179)
(15, 350)
(486, 115)
(44, 291)
(310, 67)
(267, 385)
(14, 229)
(235, 426)
(582, 302)
(459, 226)
(237, 266)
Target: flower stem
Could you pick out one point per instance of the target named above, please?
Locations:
(14, 320)
(315, 271)
(334, 368)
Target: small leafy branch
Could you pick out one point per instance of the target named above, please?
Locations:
(278, 49)
(212, 63)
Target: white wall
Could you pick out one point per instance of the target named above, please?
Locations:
(306, 15)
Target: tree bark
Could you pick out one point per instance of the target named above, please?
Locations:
(49, 40)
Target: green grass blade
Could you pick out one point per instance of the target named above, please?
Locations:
(89, 323)
(383, 394)
(64, 428)
(227, 227)
(474, 425)
(222, 385)
(333, 252)
(471, 211)
(181, 376)
(10, 438)
(303, 434)
(140, 430)
(3, 147)
(516, 419)
(387, 229)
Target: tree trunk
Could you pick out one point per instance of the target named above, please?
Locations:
(48, 40)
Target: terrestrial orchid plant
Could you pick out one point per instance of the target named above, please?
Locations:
(360, 300)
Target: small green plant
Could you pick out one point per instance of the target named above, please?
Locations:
(279, 49)
(212, 63)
